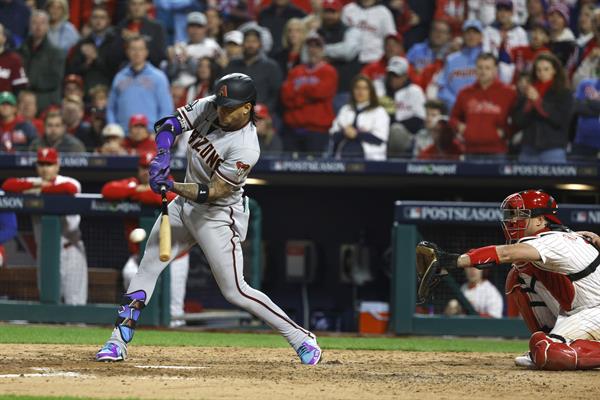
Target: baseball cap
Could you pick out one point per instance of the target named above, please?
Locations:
(113, 130)
(8, 97)
(196, 18)
(314, 37)
(146, 158)
(472, 24)
(236, 37)
(72, 78)
(335, 5)
(506, 4)
(261, 111)
(138, 119)
(397, 65)
(47, 155)
(562, 9)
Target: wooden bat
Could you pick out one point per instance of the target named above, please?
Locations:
(164, 243)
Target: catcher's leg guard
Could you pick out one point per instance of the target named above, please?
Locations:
(553, 352)
(532, 299)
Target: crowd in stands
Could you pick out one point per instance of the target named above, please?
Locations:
(425, 79)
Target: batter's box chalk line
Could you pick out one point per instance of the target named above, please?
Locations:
(48, 373)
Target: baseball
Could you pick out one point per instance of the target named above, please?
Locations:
(137, 235)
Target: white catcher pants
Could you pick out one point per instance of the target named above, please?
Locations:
(219, 231)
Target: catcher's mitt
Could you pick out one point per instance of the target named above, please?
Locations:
(432, 264)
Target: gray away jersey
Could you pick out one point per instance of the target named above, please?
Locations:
(210, 150)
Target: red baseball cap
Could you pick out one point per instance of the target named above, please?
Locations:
(138, 119)
(335, 5)
(146, 158)
(261, 111)
(72, 78)
(47, 155)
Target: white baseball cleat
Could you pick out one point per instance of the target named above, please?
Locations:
(525, 361)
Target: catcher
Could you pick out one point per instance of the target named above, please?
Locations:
(554, 280)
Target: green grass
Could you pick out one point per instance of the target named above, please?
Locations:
(44, 334)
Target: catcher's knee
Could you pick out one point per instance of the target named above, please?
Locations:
(520, 295)
(551, 352)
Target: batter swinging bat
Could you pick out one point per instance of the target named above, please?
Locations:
(165, 229)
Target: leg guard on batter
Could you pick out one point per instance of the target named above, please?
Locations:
(532, 300)
(129, 313)
(555, 353)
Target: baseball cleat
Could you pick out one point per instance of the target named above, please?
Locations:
(525, 361)
(111, 352)
(309, 352)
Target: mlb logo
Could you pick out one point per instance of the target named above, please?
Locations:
(413, 213)
(508, 170)
(223, 91)
(580, 216)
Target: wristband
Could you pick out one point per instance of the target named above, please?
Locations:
(483, 255)
(202, 193)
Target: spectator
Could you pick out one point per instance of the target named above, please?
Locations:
(73, 111)
(73, 264)
(15, 17)
(27, 108)
(521, 58)
(274, 18)
(585, 25)
(536, 13)
(435, 48)
(15, 133)
(482, 10)
(137, 25)
(503, 36)
(183, 57)
(172, 15)
(263, 70)
(587, 108)
(73, 86)
(269, 140)
(93, 57)
(139, 88)
(292, 42)
(434, 110)
(404, 17)
(590, 55)
(214, 25)
(392, 47)
(453, 11)
(232, 43)
(55, 135)
(483, 295)
(62, 34)
(362, 127)
(44, 63)
(307, 95)
(375, 22)
(138, 139)
(401, 98)
(12, 74)
(562, 40)
(342, 45)
(480, 114)
(459, 70)
(266, 38)
(112, 144)
(206, 75)
(543, 111)
(137, 189)
(445, 145)
(8, 230)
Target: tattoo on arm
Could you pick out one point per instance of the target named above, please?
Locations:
(217, 188)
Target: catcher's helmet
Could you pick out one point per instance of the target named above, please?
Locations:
(519, 207)
(235, 89)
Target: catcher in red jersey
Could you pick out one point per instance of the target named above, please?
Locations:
(73, 263)
(554, 280)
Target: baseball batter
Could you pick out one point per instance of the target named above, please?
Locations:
(73, 263)
(554, 281)
(210, 210)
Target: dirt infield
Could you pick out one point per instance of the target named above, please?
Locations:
(234, 373)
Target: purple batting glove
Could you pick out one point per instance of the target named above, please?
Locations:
(160, 169)
(159, 181)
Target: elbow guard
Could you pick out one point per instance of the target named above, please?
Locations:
(166, 129)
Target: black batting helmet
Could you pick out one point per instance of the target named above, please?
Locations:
(235, 89)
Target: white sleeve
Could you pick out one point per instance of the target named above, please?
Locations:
(555, 251)
(381, 128)
(192, 114)
(418, 101)
(387, 23)
(347, 49)
(237, 165)
(494, 301)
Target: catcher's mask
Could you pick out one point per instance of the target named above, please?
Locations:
(519, 208)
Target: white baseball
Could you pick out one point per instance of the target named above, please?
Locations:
(137, 235)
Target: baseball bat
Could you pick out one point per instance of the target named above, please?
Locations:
(164, 244)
